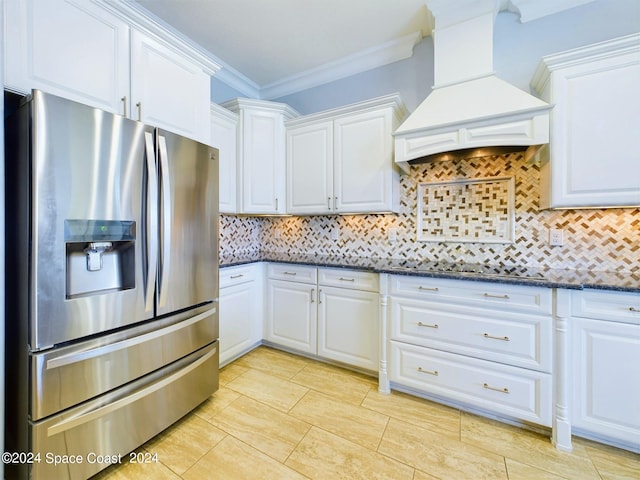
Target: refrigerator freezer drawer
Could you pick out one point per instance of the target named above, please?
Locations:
(120, 421)
(67, 376)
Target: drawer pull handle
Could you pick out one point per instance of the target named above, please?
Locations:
(634, 309)
(429, 372)
(496, 389)
(505, 339)
(429, 289)
(347, 279)
(240, 275)
(289, 273)
(435, 325)
(489, 295)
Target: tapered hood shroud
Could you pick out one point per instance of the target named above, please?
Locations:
(469, 107)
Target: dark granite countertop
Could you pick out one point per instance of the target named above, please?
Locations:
(514, 275)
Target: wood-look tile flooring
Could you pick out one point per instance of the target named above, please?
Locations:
(281, 416)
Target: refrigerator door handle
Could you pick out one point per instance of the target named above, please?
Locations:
(151, 212)
(165, 234)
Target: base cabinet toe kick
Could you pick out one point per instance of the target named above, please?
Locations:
(533, 356)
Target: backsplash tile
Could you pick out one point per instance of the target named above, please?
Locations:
(599, 240)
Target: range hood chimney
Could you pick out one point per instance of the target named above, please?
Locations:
(469, 108)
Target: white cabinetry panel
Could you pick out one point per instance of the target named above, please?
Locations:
(341, 160)
(508, 390)
(593, 157)
(348, 327)
(605, 333)
(241, 310)
(70, 48)
(167, 90)
(310, 168)
(224, 136)
(292, 315)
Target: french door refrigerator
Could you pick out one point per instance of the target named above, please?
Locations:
(112, 285)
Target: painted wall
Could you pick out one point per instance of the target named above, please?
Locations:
(595, 240)
(518, 48)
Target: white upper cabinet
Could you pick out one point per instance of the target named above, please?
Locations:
(109, 56)
(224, 137)
(73, 49)
(341, 160)
(261, 155)
(593, 158)
(168, 90)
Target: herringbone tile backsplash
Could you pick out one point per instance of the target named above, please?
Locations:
(599, 240)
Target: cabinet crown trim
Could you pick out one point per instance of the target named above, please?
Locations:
(393, 101)
(139, 18)
(237, 104)
(616, 47)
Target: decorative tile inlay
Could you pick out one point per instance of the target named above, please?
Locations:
(480, 210)
(596, 240)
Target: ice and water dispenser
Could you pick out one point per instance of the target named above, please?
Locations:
(100, 256)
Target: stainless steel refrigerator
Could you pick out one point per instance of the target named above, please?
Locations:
(112, 285)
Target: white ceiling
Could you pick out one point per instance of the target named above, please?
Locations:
(271, 41)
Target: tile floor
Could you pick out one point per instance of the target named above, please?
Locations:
(281, 416)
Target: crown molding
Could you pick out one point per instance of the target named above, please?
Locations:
(534, 9)
(368, 59)
(143, 20)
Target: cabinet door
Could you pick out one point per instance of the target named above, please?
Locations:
(167, 90)
(310, 168)
(363, 163)
(70, 48)
(348, 326)
(224, 137)
(606, 388)
(237, 321)
(262, 161)
(292, 315)
(594, 158)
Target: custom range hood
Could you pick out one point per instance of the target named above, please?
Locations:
(470, 111)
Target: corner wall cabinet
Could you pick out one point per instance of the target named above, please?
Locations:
(483, 344)
(605, 331)
(341, 160)
(261, 155)
(110, 57)
(224, 136)
(593, 157)
(240, 310)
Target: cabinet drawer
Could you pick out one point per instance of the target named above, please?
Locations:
(495, 296)
(512, 391)
(515, 338)
(292, 273)
(230, 276)
(606, 305)
(344, 278)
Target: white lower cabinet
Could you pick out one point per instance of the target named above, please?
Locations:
(605, 330)
(486, 345)
(240, 310)
(348, 325)
(291, 307)
(332, 313)
(507, 390)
